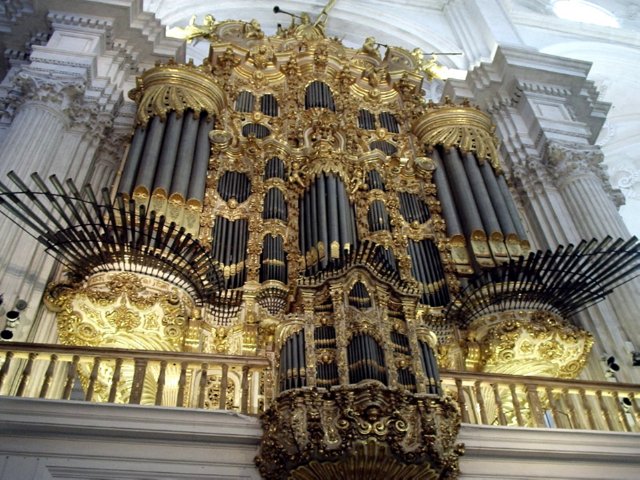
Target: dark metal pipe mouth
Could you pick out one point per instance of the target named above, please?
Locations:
(6, 334)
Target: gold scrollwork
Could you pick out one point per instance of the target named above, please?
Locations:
(176, 87)
(463, 126)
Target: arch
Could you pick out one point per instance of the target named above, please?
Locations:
(375, 181)
(234, 184)
(378, 217)
(359, 296)
(366, 359)
(389, 121)
(318, 95)
(384, 146)
(245, 102)
(366, 120)
(273, 262)
(269, 105)
(256, 129)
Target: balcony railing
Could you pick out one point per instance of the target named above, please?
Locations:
(491, 399)
(245, 384)
(192, 380)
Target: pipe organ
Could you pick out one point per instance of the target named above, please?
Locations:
(297, 199)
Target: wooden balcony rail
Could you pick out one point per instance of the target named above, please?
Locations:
(190, 380)
(493, 399)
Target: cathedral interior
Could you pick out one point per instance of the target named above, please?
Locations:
(315, 240)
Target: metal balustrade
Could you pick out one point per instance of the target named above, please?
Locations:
(492, 399)
(174, 379)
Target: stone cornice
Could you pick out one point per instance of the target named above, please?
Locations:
(517, 70)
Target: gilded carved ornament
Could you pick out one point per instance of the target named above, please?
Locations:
(461, 126)
(125, 310)
(363, 431)
(176, 87)
(527, 343)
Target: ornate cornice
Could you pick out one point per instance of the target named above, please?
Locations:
(462, 126)
(176, 87)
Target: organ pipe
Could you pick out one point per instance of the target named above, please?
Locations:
(168, 154)
(150, 153)
(133, 160)
(447, 202)
(462, 193)
(480, 193)
(201, 159)
(180, 183)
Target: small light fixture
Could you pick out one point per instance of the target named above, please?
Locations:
(12, 316)
(635, 359)
(612, 365)
(6, 334)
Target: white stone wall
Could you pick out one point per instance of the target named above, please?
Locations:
(44, 439)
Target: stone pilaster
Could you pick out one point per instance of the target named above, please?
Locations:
(548, 116)
(62, 115)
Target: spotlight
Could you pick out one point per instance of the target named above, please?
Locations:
(612, 365)
(635, 359)
(12, 317)
(626, 403)
(6, 334)
(21, 304)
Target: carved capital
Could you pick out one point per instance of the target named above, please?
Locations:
(571, 162)
(56, 91)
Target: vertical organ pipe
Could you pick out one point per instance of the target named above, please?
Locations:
(446, 198)
(198, 178)
(470, 215)
(513, 211)
(186, 149)
(343, 210)
(166, 164)
(501, 209)
(149, 161)
(133, 160)
(333, 216)
(480, 193)
(322, 219)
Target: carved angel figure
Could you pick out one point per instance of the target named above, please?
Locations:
(193, 32)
